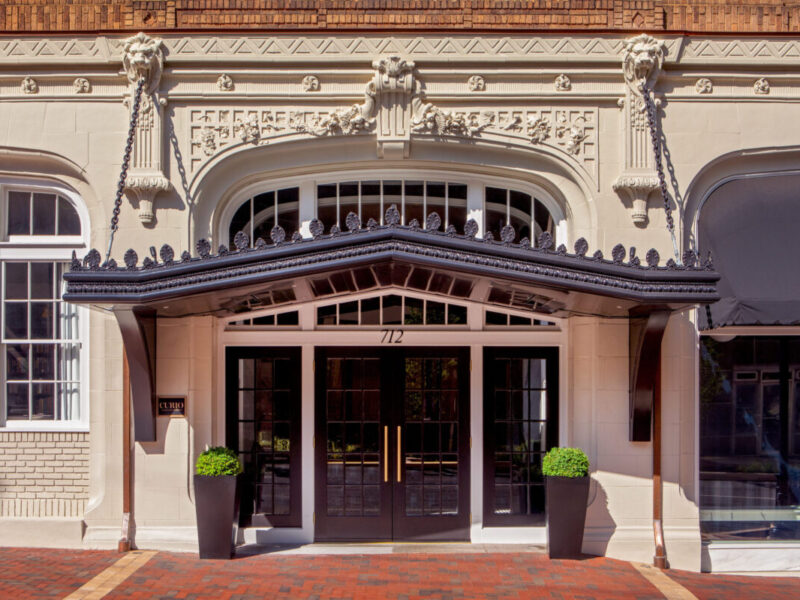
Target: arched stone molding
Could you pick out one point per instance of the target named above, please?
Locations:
(51, 168)
(220, 184)
(751, 162)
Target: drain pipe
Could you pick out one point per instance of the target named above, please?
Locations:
(124, 544)
(660, 558)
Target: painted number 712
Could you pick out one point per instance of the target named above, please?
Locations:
(391, 336)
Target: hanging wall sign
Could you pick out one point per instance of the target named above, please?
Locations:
(171, 406)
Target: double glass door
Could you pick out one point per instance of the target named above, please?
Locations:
(392, 444)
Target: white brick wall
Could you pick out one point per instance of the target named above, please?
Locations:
(43, 474)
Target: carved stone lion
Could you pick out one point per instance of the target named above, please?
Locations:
(643, 59)
(144, 57)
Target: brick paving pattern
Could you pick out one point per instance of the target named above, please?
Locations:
(728, 16)
(733, 587)
(37, 574)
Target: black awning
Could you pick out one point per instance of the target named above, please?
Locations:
(559, 282)
(541, 279)
(752, 228)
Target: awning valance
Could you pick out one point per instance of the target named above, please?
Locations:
(751, 227)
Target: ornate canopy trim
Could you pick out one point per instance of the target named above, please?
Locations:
(161, 277)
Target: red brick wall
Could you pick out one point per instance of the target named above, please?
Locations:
(723, 16)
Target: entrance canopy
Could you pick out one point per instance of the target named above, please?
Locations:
(542, 279)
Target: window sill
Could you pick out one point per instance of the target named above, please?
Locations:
(34, 427)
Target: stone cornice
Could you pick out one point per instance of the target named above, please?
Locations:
(489, 48)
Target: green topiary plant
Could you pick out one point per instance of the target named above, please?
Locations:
(565, 462)
(218, 460)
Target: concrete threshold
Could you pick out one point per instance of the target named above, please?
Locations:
(344, 548)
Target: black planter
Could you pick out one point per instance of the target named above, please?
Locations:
(216, 502)
(566, 515)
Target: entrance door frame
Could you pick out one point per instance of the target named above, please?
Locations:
(399, 526)
(476, 336)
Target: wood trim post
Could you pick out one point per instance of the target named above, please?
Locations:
(124, 544)
(660, 558)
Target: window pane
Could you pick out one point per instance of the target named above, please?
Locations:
(414, 203)
(42, 401)
(289, 210)
(68, 221)
(19, 213)
(42, 280)
(16, 320)
(371, 201)
(44, 214)
(42, 318)
(348, 202)
(263, 216)
(747, 466)
(240, 222)
(457, 205)
(43, 361)
(392, 194)
(17, 401)
(17, 361)
(16, 281)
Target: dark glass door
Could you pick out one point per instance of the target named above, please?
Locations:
(263, 425)
(392, 444)
(520, 421)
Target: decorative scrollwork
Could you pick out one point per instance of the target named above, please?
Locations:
(277, 234)
(392, 216)
(581, 247)
(652, 258)
(353, 221)
(241, 241)
(433, 222)
(203, 247)
(618, 253)
(545, 241)
(130, 258)
(471, 228)
(167, 254)
(316, 228)
(507, 234)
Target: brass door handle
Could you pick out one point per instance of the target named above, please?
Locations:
(385, 453)
(399, 445)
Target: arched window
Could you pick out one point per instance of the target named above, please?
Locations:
(293, 203)
(527, 215)
(257, 216)
(41, 334)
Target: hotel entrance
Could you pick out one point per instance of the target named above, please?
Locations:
(392, 444)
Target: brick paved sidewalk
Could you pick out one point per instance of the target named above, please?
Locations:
(39, 574)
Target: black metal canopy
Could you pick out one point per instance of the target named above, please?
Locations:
(535, 277)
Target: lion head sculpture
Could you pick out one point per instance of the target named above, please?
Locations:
(143, 57)
(644, 56)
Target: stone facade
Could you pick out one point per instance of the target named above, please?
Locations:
(43, 474)
(229, 114)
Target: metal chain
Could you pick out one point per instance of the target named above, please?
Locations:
(650, 109)
(126, 160)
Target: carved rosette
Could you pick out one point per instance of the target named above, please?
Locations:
(145, 187)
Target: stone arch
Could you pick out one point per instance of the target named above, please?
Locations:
(219, 180)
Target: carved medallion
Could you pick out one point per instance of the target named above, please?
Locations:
(225, 83)
(310, 83)
(29, 85)
(704, 86)
(81, 85)
(476, 83)
(563, 83)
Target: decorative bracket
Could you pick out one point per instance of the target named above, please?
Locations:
(641, 63)
(143, 57)
(645, 335)
(138, 328)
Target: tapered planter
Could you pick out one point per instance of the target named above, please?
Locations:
(566, 515)
(216, 502)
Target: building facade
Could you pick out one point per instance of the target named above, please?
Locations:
(391, 268)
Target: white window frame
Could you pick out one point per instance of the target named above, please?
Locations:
(53, 248)
(476, 191)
